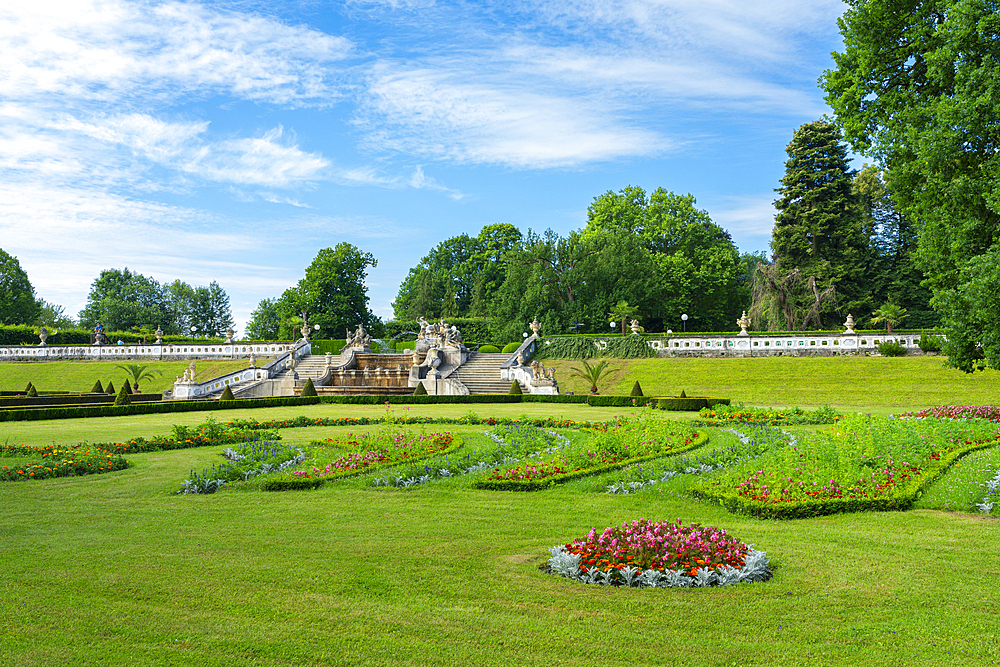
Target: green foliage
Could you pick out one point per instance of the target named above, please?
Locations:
(890, 348)
(489, 349)
(636, 390)
(127, 387)
(227, 394)
(629, 347)
(17, 296)
(929, 343)
(510, 348)
(309, 389)
(890, 313)
(28, 388)
(123, 397)
(31, 393)
(720, 414)
(623, 312)
(97, 388)
(575, 347)
(915, 88)
(592, 374)
(291, 484)
(515, 388)
(137, 373)
(110, 389)
(420, 390)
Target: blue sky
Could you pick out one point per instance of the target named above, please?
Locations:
(231, 141)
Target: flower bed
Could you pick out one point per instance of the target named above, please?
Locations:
(721, 415)
(373, 451)
(58, 461)
(988, 412)
(649, 554)
(611, 447)
(469, 419)
(870, 464)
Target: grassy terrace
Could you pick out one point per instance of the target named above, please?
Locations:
(114, 569)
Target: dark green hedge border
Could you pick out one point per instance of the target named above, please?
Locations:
(159, 407)
(66, 401)
(901, 500)
(548, 482)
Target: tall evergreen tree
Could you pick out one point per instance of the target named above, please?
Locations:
(817, 229)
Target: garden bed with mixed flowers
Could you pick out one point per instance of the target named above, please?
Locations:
(59, 461)
(611, 446)
(866, 464)
(658, 554)
(722, 415)
(357, 454)
(987, 412)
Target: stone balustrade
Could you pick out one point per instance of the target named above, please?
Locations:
(167, 351)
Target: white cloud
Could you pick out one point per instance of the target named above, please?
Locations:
(451, 115)
(748, 219)
(108, 50)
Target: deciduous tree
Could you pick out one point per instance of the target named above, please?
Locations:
(17, 297)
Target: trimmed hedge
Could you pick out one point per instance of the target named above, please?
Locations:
(64, 400)
(548, 482)
(155, 407)
(896, 500)
(287, 484)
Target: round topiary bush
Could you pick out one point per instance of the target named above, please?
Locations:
(510, 348)
(490, 349)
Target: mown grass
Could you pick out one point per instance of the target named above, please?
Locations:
(115, 570)
(80, 376)
(854, 382)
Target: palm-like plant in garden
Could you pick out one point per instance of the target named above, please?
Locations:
(889, 313)
(137, 373)
(592, 374)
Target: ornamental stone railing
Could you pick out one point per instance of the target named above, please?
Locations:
(169, 351)
(187, 388)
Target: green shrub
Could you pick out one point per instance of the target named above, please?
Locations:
(29, 388)
(97, 388)
(515, 388)
(227, 394)
(929, 343)
(490, 349)
(636, 389)
(123, 397)
(629, 347)
(420, 390)
(31, 391)
(577, 347)
(891, 348)
(510, 348)
(291, 484)
(127, 387)
(110, 389)
(308, 390)
(683, 395)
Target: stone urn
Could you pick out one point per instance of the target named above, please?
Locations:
(159, 335)
(535, 326)
(43, 335)
(849, 325)
(743, 323)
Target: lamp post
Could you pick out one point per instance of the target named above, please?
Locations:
(684, 318)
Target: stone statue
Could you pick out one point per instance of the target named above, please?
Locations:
(191, 370)
(635, 326)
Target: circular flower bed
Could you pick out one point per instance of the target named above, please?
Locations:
(648, 553)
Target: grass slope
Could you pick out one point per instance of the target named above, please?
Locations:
(114, 570)
(844, 382)
(79, 376)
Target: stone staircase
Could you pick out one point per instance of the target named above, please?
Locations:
(313, 366)
(481, 374)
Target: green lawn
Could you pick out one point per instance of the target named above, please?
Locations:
(893, 383)
(116, 570)
(79, 376)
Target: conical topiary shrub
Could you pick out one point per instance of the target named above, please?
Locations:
(515, 388)
(97, 388)
(309, 389)
(227, 394)
(123, 397)
(29, 388)
(127, 387)
(110, 389)
(31, 391)
(420, 390)
(636, 390)
(683, 395)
